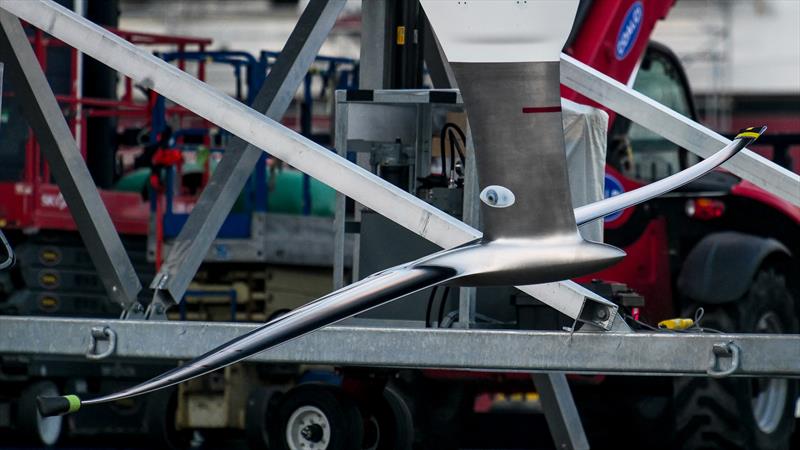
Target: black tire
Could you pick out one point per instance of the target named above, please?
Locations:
(321, 404)
(159, 420)
(326, 404)
(442, 412)
(720, 414)
(33, 428)
(262, 404)
(388, 422)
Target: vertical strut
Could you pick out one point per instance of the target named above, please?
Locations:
(560, 411)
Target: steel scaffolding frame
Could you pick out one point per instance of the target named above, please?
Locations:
(615, 350)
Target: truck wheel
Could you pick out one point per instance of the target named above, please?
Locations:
(741, 413)
(33, 427)
(388, 424)
(317, 417)
(261, 407)
(160, 421)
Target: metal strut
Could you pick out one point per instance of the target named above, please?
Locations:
(45, 117)
(677, 128)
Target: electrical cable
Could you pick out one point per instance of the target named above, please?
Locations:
(698, 316)
(430, 307)
(459, 148)
(443, 303)
(452, 175)
(450, 126)
(443, 152)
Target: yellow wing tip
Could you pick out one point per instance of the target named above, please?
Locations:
(751, 133)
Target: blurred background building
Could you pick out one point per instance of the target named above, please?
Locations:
(742, 57)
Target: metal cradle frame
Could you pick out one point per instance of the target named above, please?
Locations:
(609, 348)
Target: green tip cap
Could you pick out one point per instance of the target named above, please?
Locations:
(57, 406)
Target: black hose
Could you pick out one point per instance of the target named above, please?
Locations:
(445, 128)
(443, 153)
(455, 127)
(442, 304)
(453, 152)
(430, 307)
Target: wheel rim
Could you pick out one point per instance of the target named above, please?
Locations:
(769, 394)
(372, 434)
(49, 428)
(308, 429)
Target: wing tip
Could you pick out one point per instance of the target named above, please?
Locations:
(751, 132)
(58, 406)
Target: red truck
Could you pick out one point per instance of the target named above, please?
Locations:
(719, 243)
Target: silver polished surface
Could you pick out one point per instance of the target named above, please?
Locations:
(515, 121)
(610, 205)
(521, 151)
(508, 262)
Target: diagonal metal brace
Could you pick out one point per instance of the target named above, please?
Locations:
(219, 195)
(677, 128)
(45, 117)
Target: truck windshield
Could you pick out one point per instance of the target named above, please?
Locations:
(651, 156)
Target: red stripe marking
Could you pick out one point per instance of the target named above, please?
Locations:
(543, 109)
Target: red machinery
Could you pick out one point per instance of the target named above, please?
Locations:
(699, 246)
(33, 201)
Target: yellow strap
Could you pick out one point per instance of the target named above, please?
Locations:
(676, 324)
(748, 134)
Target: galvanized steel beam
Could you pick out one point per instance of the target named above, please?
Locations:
(505, 350)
